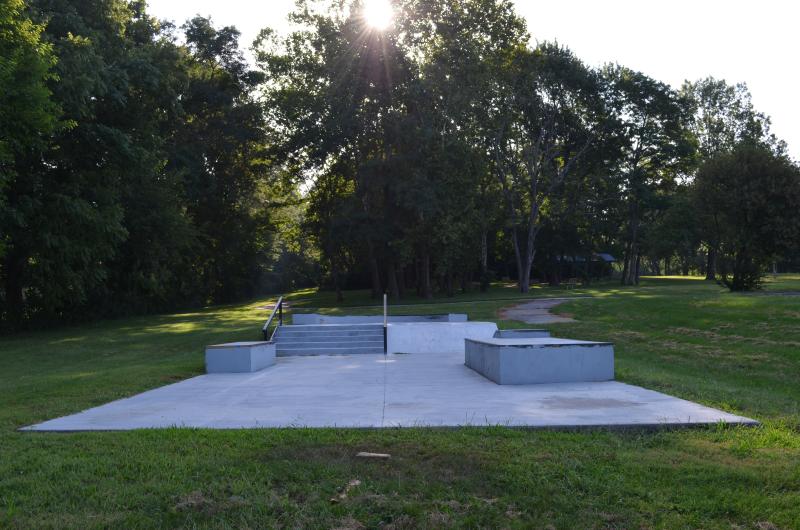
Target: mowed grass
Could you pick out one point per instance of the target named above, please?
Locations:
(683, 336)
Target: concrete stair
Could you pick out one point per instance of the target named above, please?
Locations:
(328, 339)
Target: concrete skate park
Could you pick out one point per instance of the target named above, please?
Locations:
(409, 371)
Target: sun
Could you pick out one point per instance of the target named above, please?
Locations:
(378, 14)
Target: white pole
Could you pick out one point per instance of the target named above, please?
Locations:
(385, 324)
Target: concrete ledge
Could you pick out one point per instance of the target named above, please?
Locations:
(521, 333)
(237, 357)
(436, 337)
(544, 360)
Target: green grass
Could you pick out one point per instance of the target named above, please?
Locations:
(683, 336)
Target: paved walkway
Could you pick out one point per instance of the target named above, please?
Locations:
(537, 311)
(384, 391)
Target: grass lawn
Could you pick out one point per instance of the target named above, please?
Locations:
(686, 337)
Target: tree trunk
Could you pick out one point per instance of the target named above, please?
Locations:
(523, 287)
(15, 303)
(626, 260)
(336, 282)
(391, 280)
(525, 281)
(449, 282)
(418, 276)
(401, 282)
(377, 291)
(426, 276)
(711, 264)
(484, 262)
(638, 265)
(633, 251)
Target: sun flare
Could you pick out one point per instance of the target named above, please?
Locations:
(378, 14)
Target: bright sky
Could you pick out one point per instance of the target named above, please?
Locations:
(671, 40)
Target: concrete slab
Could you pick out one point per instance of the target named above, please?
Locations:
(384, 391)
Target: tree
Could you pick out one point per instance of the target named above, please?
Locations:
(723, 117)
(753, 194)
(220, 149)
(547, 114)
(675, 231)
(654, 147)
(28, 116)
(153, 189)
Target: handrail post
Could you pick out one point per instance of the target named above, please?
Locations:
(385, 325)
(279, 310)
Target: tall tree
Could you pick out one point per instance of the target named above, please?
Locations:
(754, 195)
(219, 147)
(28, 116)
(547, 115)
(723, 117)
(651, 123)
(68, 220)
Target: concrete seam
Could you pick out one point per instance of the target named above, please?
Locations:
(383, 409)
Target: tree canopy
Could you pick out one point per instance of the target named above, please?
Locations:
(146, 165)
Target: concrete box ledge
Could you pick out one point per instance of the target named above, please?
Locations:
(520, 361)
(237, 357)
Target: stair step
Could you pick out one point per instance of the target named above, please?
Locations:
(281, 352)
(326, 340)
(329, 339)
(331, 327)
(294, 332)
(342, 344)
(294, 344)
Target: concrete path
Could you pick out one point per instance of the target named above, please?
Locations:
(384, 391)
(537, 311)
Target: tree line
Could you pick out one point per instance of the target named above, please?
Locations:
(146, 166)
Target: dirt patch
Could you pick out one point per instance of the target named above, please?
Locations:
(349, 523)
(194, 501)
(537, 311)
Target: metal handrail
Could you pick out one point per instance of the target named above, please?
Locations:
(279, 310)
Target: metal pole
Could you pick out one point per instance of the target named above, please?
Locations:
(385, 324)
(280, 313)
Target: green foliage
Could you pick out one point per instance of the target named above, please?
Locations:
(725, 116)
(752, 194)
(654, 148)
(28, 116)
(146, 167)
(157, 193)
(219, 148)
(27, 113)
